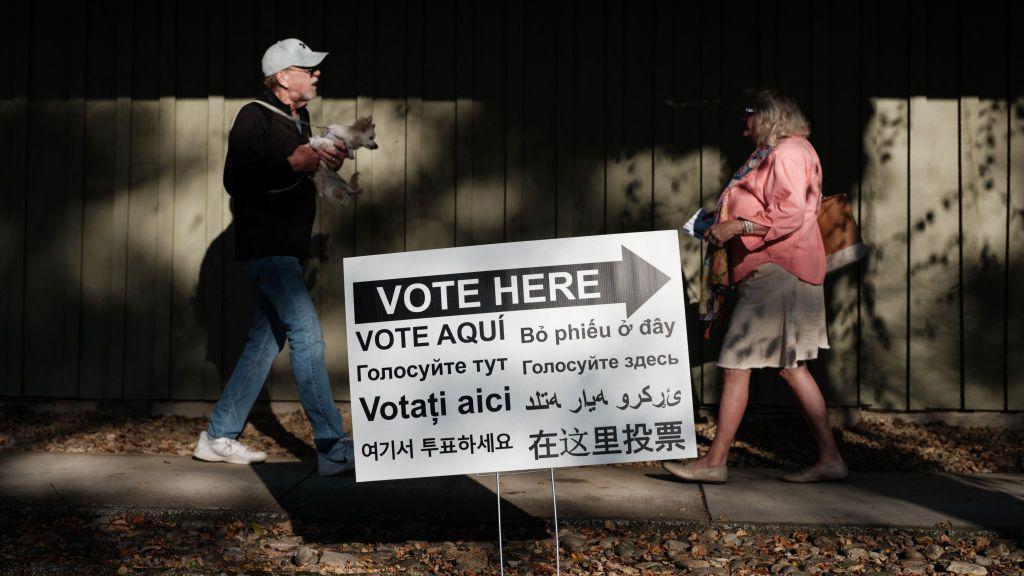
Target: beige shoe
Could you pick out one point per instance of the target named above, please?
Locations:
(830, 473)
(710, 475)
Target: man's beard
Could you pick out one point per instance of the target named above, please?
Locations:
(310, 93)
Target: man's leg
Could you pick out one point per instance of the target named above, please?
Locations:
(287, 292)
(266, 338)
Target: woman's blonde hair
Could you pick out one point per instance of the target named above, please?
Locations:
(775, 117)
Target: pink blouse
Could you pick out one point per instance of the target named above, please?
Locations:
(782, 194)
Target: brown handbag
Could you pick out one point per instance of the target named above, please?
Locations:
(839, 233)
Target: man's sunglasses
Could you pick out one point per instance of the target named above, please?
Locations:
(307, 69)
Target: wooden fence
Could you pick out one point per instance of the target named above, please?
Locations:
(503, 121)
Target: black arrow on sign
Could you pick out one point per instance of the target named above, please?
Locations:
(630, 281)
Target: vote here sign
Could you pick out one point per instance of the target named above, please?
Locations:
(518, 356)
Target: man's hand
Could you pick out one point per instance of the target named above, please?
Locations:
(332, 157)
(304, 159)
(722, 232)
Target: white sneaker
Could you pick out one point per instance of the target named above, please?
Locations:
(226, 450)
(340, 459)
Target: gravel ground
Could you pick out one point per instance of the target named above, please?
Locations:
(782, 442)
(140, 544)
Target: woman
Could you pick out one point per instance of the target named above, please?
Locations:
(767, 245)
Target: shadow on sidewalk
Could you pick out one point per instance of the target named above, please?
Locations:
(879, 499)
(338, 509)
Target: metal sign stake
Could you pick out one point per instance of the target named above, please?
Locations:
(501, 547)
(554, 507)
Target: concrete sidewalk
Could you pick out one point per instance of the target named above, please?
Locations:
(912, 500)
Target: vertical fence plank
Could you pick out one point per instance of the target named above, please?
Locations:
(1015, 245)
(164, 282)
(464, 152)
(713, 169)
(677, 129)
(190, 168)
(413, 122)
(434, 203)
(540, 194)
(796, 49)
(74, 135)
(187, 338)
(122, 190)
(588, 113)
(630, 197)
(666, 209)
(838, 136)
(365, 217)
(99, 300)
(983, 157)
(769, 71)
(884, 208)
(616, 166)
(934, 212)
(487, 214)
(564, 14)
(515, 87)
(389, 75)
(143, 209)
(211, 280)
(44, 250)
(13, 172)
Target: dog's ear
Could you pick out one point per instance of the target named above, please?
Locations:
(363, 124)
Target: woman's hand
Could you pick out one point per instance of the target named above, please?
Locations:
(722, 232)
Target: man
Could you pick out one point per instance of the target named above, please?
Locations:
(266, 172)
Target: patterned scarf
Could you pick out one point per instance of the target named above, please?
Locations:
(715, 283)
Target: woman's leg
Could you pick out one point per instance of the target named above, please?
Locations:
(812, 404)
(730, 414)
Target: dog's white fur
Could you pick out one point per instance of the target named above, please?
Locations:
(359, 134)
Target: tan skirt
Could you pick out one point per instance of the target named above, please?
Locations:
(778, 321)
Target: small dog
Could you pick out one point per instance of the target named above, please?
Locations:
(359, 134)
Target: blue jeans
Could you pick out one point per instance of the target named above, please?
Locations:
(283, 310)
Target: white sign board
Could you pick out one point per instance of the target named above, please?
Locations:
(518, 356)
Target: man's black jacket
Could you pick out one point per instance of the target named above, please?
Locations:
(274, 207)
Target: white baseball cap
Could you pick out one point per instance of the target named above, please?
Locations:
(290, 52)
